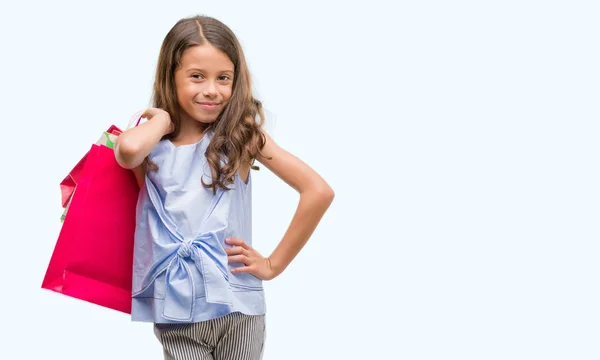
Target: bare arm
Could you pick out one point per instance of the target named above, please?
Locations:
(315, 197)
(133, 145)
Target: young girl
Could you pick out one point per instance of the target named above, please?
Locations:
(196, 275)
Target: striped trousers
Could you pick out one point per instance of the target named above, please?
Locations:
(235, 336)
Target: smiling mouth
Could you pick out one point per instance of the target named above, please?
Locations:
(208, 106)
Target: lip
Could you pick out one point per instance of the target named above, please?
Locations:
(208, 105)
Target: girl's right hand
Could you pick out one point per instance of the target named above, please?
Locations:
(136, 143)
(159, 115)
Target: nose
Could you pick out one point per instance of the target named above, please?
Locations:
(210, 90)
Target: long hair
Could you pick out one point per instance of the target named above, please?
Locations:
(237, 135)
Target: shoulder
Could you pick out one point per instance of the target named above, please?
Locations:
(270, 148)
(282, 163)
(289, 168)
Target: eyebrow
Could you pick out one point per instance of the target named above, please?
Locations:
(202, 70)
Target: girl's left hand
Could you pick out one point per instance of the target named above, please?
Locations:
(254, 262)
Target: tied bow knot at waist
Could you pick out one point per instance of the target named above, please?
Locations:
(185, 249)
(180, 283)
(204, 252)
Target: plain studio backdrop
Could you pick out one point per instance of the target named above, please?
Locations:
(461, 139)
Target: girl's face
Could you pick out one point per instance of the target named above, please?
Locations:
(204, 82)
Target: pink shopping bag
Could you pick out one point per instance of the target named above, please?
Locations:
(93, 256)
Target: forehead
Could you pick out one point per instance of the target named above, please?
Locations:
(206, 57)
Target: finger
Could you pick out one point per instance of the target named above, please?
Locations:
(238, 242)
(242, 269)
(236, 250)
(147, 114)
(150, 112)
(240, 259)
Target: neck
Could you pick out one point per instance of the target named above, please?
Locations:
(190, 129)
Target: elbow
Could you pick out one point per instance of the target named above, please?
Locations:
(321, 194)
(125, 152)
(326, 194)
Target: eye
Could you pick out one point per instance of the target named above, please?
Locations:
(197, 76)
(224, 78)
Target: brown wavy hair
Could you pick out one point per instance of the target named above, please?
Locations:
(237, 130)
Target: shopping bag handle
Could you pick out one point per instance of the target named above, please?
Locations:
(135, 119)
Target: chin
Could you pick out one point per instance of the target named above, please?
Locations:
(206, 119)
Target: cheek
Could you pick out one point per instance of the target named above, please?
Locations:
(186, 95)
(186, 91)
(226, 93)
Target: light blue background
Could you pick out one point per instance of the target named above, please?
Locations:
(461, 139)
